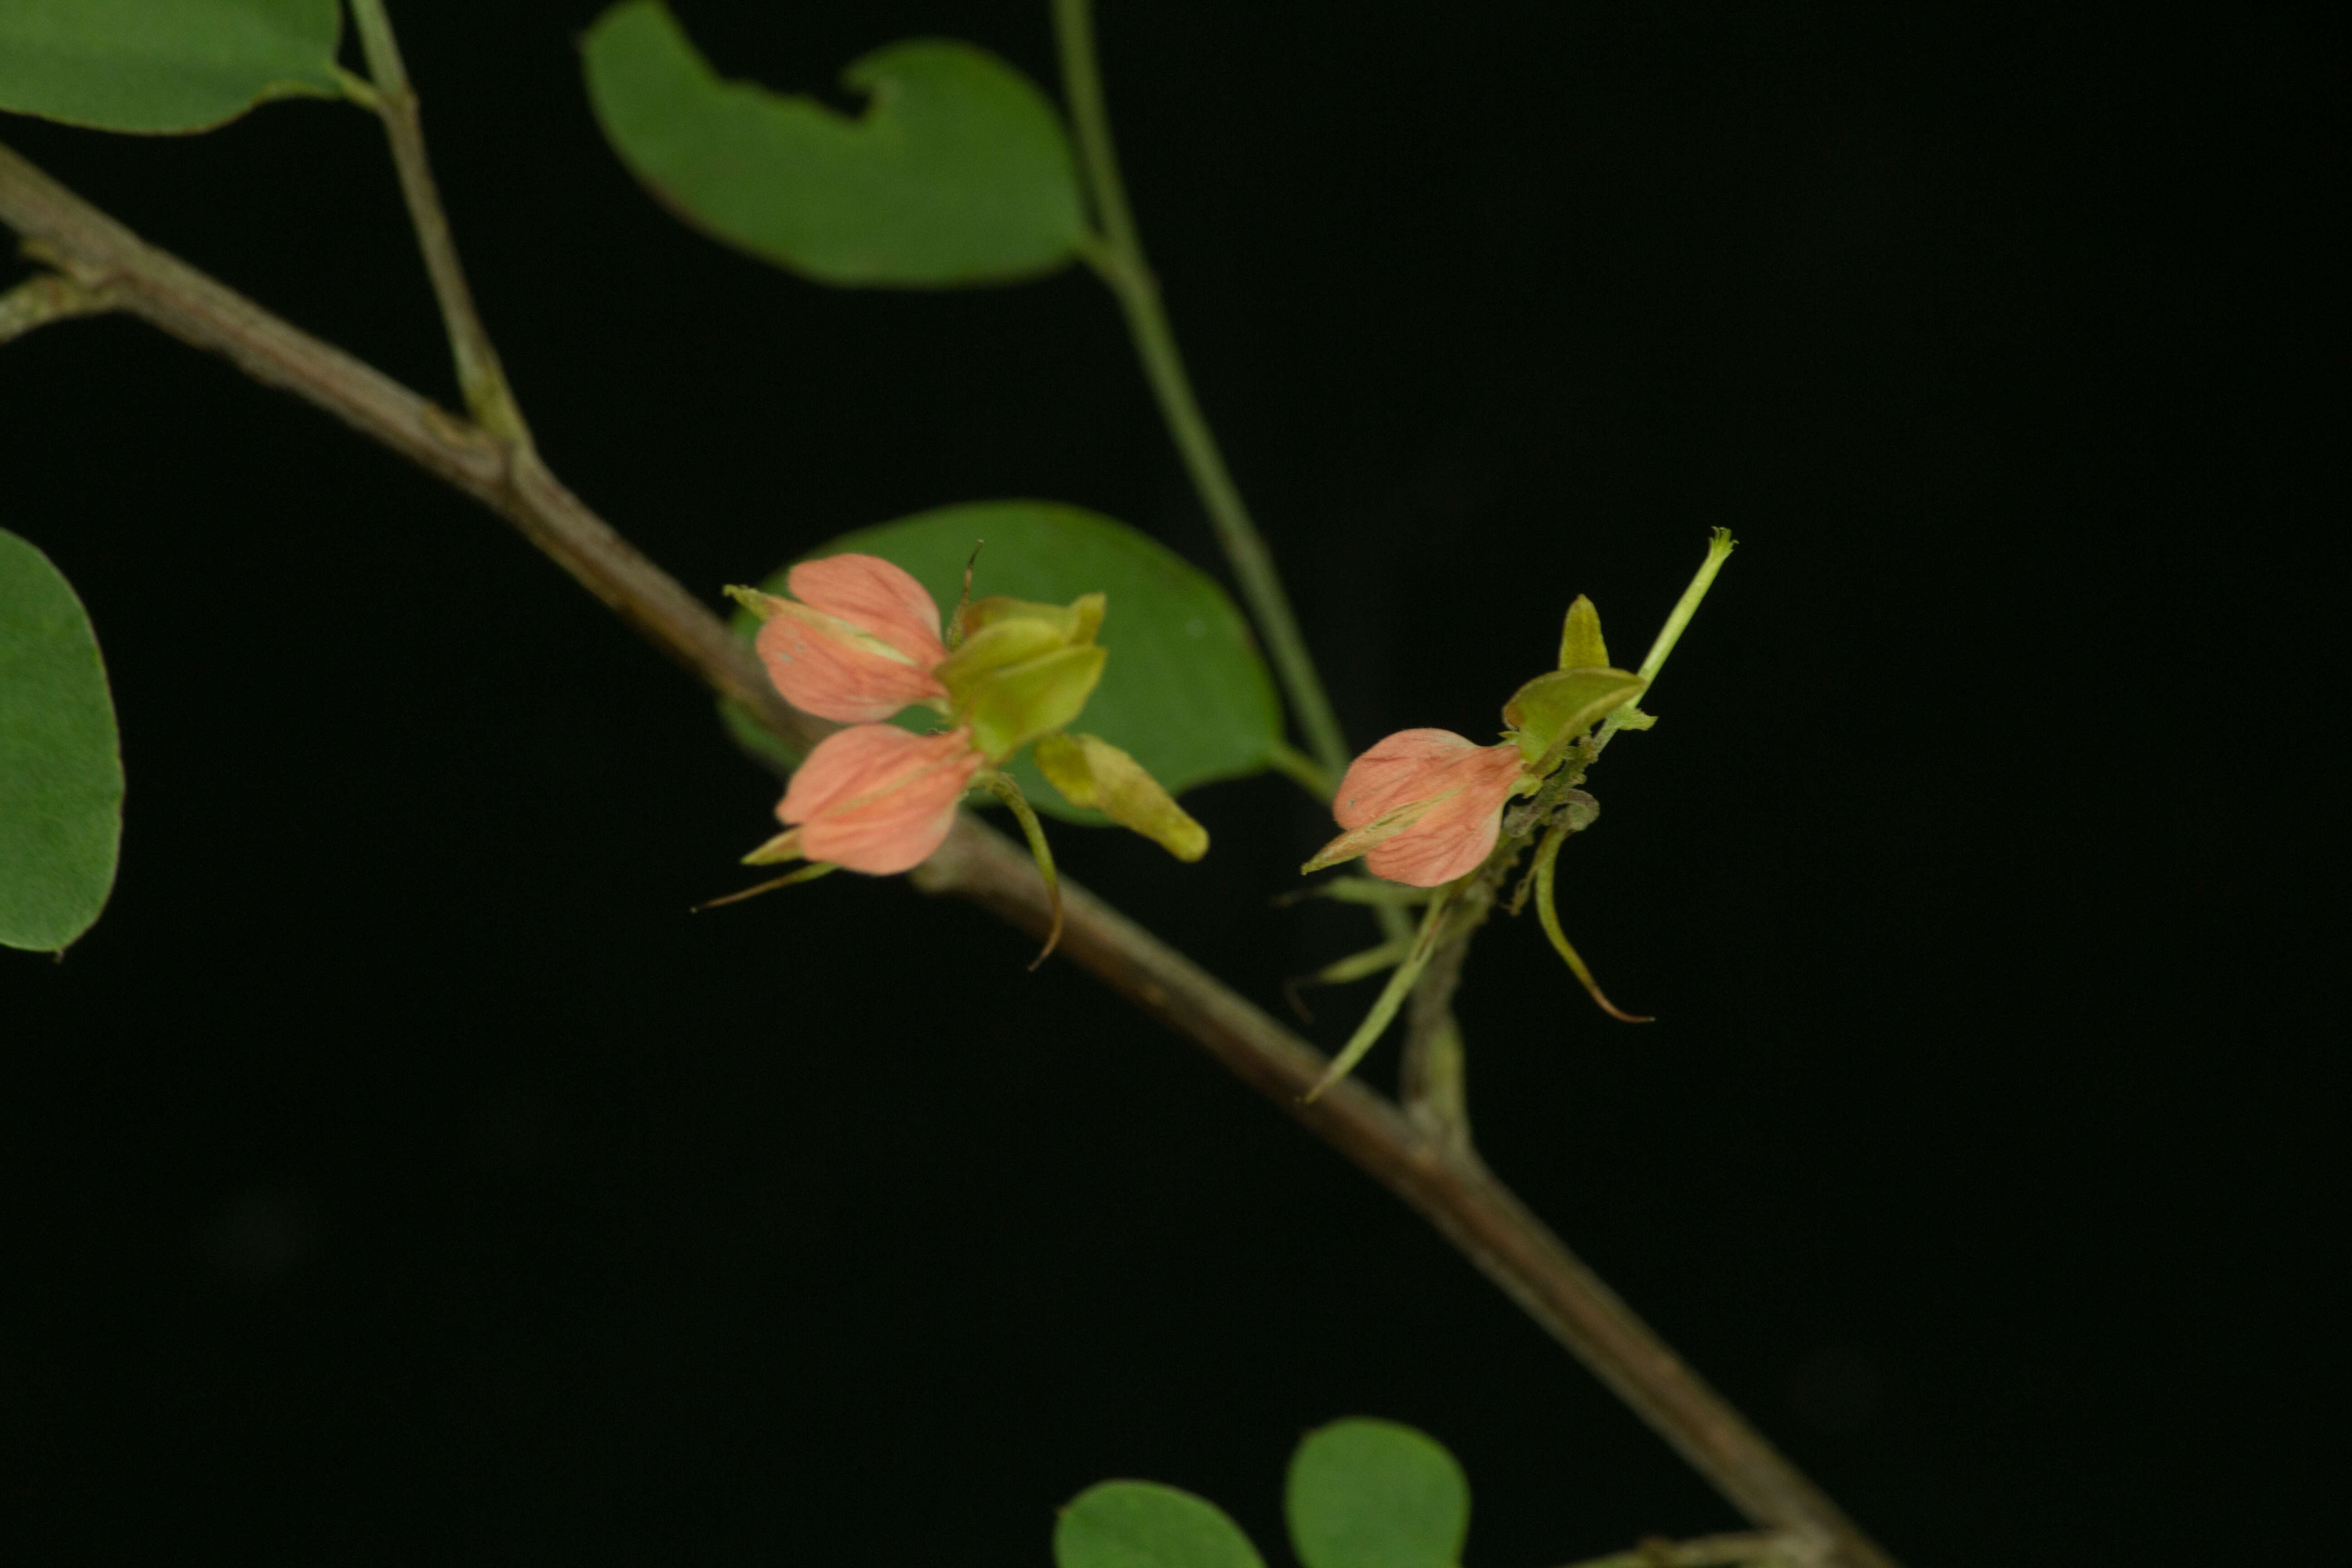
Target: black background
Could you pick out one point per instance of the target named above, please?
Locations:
(398, 1173)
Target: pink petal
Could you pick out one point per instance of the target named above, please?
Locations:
(824, 666)
(1407, 766)
(877, 799)
(1466, 785)
(876, 597)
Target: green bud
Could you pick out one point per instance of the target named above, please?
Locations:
(999, 632)
(989, 649)
(1073, 624)
(1552, 710)
(1094, 773)
(1580, 646)
(1011, 705)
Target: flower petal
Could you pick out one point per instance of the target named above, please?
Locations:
(1407, 766)
(1461, 786)
(876, 597)
(823, 665)
(877, 799)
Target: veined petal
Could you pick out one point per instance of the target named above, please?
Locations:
(1406, 766)
(822, 664)
(876, 597)
(877, 799)
(1423, 807)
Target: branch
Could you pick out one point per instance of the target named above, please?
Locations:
(1449, 1187)
(1706, 1552)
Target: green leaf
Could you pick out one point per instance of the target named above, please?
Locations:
(60, 764)
(957, 172)
(1138, 1524)
(1184, 692)
(162, 65)
(1372, 1494)
(1564, 704)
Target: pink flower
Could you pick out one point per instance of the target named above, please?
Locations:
(875, 798)
(1423, 807)
(859, 644)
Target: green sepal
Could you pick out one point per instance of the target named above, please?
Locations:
(1554, 709)
(982, 654)
(1092, 774)
(1580, 646)
(998, 631)
(1014, 705)
(1074, 623)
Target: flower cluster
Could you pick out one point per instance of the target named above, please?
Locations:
(859, 640)
(1424, 806)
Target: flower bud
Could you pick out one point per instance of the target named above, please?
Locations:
(1423, 807)
(1023, 669)
(1580, 646)
(1092, 773)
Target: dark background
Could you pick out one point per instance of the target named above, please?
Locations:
(399, 1175)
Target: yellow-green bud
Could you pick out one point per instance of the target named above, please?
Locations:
(1011, 706)
(1091, 771)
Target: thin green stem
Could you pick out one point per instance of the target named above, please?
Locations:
(790, 878)
(1301, 770)
(1117, 255)
(1360, 965)
(1547, 857)
(1002, 786)
(1718, 551)
(1392, 997)
(479, 376)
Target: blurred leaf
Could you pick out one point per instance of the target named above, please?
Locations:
(60, 764)
(1374, 1494)
(1184, 694)
(162, 65)
(957, 172)
(1138, 1524)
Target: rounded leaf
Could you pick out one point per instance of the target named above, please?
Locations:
(957, 172)
(1374, 1494)
(1140, 1524)
(60, 764)
(162, 65)
(1184, 692)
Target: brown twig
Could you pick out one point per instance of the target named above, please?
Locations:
(1446, 1183)
(1708, 1552)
